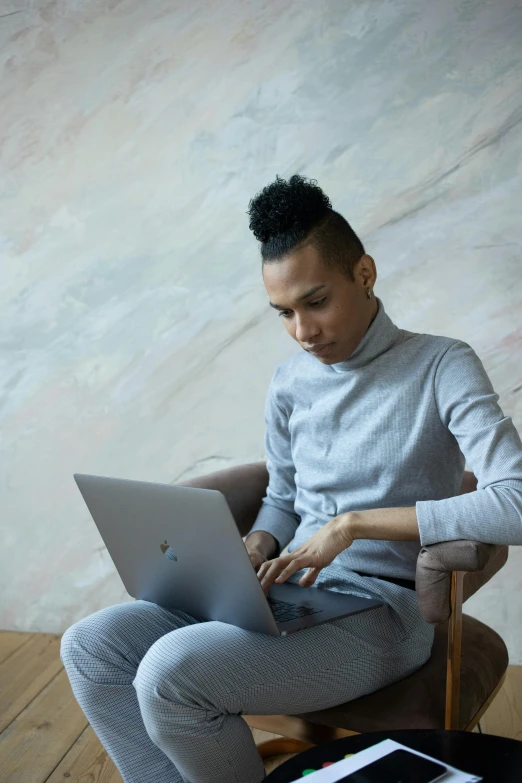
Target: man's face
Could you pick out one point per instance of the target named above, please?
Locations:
(336, 314)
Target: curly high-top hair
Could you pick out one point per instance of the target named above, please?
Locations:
(285, 215)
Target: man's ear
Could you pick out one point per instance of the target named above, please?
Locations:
(365, 271)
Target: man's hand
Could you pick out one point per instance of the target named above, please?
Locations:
(257, 558)
(315, 554)
(376, 524)
(260, 546)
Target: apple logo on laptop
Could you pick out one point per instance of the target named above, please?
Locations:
(167, 551)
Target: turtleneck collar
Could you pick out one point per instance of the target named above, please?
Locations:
(378, 338)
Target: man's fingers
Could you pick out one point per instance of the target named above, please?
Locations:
(263, 568)
(271, 574)
(273, 571)
(310, 577)
(290, 569)
(281, 568)
(277, 562)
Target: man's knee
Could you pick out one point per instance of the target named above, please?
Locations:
(90, 638)
(179, 666)
(75, 642)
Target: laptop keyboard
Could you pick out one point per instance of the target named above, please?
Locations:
(284, 611)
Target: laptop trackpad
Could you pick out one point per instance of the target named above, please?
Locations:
(297, 607)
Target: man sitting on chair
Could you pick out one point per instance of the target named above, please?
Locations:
(367, 432)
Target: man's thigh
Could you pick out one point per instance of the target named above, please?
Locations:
(236, 671)
(122, 633)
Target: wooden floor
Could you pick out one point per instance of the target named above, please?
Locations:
(44, 735)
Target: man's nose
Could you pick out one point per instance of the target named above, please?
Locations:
(306, 331)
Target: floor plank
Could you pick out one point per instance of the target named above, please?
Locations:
(10, 641)
(263, 736)
(504, 716)
(33, 745)
(86, 761)
(26, 672)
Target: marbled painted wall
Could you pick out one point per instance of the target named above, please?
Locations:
(136, 339)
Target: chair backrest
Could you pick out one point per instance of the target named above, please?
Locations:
(244, 487)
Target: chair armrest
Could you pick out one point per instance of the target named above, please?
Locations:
(435, 565)
(244, 487)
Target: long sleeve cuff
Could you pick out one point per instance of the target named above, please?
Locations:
(492, 515)
(280, 524)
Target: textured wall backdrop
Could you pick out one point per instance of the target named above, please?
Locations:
(135, 334)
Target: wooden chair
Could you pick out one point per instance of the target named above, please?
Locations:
(468, 662)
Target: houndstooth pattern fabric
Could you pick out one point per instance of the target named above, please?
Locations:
(165, 692)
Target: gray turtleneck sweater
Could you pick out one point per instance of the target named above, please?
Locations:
(391, 426)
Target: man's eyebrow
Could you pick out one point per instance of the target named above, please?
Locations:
(303, 296)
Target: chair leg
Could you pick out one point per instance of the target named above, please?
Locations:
(476, 718)
(452, 718)
(291, 726)
(278, 747)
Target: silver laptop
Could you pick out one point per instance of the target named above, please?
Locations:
(179, 547)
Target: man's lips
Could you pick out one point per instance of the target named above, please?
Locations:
(321, 350)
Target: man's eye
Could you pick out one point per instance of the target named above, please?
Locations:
(317, 303)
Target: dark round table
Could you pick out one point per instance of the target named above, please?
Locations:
(495, 759)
